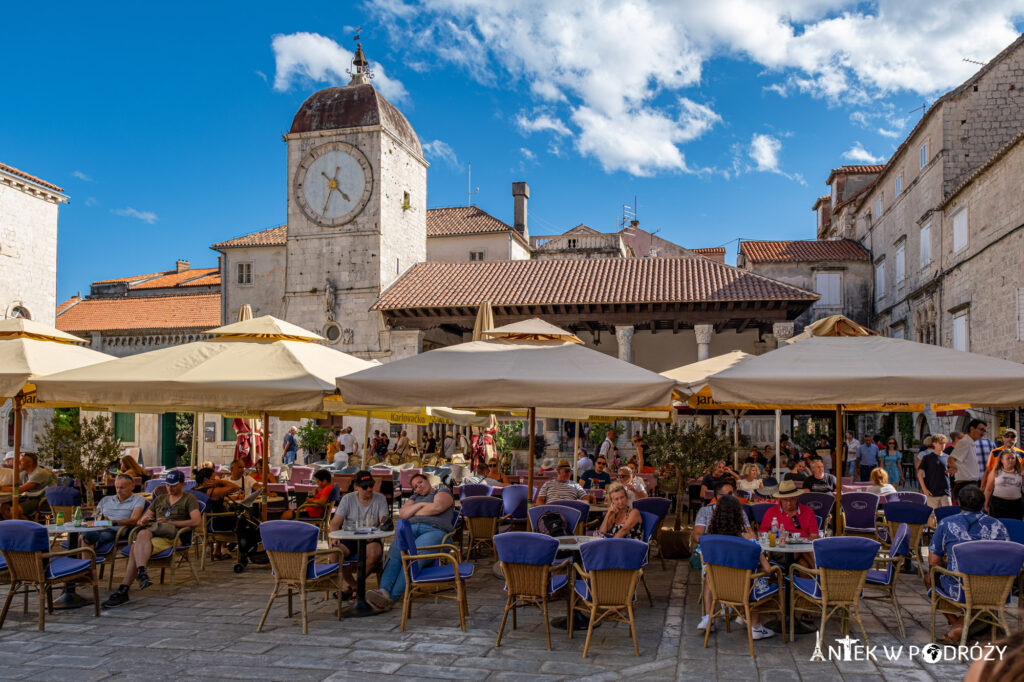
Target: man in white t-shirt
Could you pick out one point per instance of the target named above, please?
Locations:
(243, 480)
(349, 441)
(963, 461)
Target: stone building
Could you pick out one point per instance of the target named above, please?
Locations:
(29, 209)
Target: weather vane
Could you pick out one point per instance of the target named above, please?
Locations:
(360, 70)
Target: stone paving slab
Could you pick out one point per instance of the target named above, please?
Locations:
(207, 631)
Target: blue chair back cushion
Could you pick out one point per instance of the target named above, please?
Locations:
(288, 536)
(481, 506)
(63, 495)
(571, 515)
(907, 496)
(526, 548)
(727, 550)
(154, 483)
(860, 509)
(650, 522)
(514, 498)
(404, 538)
(1015, 527)
(988, 557)
(614, 553)
(579, 505)
(845, 553)
(907, 512)
(659, 506)
(943, 512)
(900, 541)
(820, 503)
(23, 536)
(760, 509)
(474, 490)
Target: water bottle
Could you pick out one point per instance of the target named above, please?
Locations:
(78, 517)
(775, 527)
(60, 519)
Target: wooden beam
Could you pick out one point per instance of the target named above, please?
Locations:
(675, 326)
(742, 325)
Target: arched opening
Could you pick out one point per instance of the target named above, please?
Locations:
(21, 311)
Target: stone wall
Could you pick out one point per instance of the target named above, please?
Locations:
(265, 294)
(28, 251)
(856, 289)
(496, 246)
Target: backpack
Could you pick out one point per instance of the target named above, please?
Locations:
(552, 524)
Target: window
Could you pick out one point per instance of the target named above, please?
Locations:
(960, 331)
(124, 426)
(924, 155)
(477, 255)
(829, 285)
(900, 261)
(573, 243)
(245, 274)
(878, 208)
(898, 185)
(228, 429)
(880, 279)
(925, 241)
(21, 311)
(960, 230)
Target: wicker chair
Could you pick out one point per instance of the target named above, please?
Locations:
(980, 586)
(480, 516)
(431, 574)
(884, 579)
(660, 507)
(821, 504)
(733, 574)
(606, 586)
(1015, 528)
(835, 585)
(571, 515)
(650, 523)
(915, 516)
(25, 547)
(759, 509)
(170, 558)
(526, 561)
(514, 500)
(291, 548)
(859, 511)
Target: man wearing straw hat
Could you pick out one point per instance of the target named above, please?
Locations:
(561, 489)
(793, 517)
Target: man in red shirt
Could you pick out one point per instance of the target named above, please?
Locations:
(792, 516)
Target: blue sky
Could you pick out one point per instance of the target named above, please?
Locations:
(723, 119)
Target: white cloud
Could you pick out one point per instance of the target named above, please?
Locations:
(91, 201)
(81, 176)
(858, 154)
(540, 123)
(527, 154)
(894, 134)
(129, 212)
(317, 58)
(441, 150)
(764, 151)
(262, 75)
(622, 63)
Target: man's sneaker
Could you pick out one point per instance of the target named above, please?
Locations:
(704, 623)
(761, 632)
(144, 580)
(116, 599)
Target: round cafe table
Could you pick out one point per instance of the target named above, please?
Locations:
(361, 607)
(70, 599)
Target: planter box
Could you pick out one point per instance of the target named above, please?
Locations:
(675, 544)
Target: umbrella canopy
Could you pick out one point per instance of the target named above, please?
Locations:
(526, 364)
(263, 365)
(29, 349)
(484, 320)
(833, 325)
(857, 370)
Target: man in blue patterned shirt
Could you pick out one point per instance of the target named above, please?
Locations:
(970, 524)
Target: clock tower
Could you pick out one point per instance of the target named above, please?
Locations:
(357, 196)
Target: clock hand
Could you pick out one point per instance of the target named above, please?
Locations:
(328, 200)
(344, 196)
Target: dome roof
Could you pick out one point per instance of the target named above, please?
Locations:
(353, 106)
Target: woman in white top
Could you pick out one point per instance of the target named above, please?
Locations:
(751, 479)
(1003, 491)
(634, 485)
(880, 482)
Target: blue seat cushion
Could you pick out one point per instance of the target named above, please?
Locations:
(320, 570)
(950, 588)
(65, 566)
(557, 583)
(582, 589)
(3, 564)
(857, 529)
(444, 573)
(126, 550)
(762, 589)
(808, 586)
(877, 577)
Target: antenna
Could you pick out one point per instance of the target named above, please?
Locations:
(973, 61)
(469, 187)
(923, 107)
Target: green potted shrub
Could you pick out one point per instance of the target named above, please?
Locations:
(83, 447)
(682, 452)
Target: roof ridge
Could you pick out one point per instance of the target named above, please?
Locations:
(28, 176)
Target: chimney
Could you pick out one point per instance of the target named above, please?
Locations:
(182, 265)
(520, 194)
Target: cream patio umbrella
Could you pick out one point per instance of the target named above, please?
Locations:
(29, 350)
(529, 364)
(484, 321)
(262, 366)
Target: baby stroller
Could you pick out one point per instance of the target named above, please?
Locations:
(247, 530)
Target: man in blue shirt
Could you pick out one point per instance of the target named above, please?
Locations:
(867, 458)
(970, 524)
(597, 477)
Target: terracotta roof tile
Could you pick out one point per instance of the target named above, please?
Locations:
(458, 220)
(854, 170)
(68, 303)
(31, 178)
(155, 312)
(274, 236)
(800, 251)
(710, 251)
(572, 281)
(185, 278)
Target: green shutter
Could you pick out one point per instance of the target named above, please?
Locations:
(228, 429)
(124, 426)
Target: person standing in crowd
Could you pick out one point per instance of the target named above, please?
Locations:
(931, 475)
(1003, 488)
(852, 445)
(1009, 444)
(608, 449)
(431, 445)
(638, 443)
(867, 458)
(892, 462)
(983, 448)
(448, 447)
(402, 444)
(334, 446)
(291, 446)
(963, 460)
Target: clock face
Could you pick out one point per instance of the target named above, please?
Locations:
(333, 184)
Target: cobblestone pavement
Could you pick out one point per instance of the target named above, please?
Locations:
(209, 632)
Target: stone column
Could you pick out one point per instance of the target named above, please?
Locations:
(552, 436)
(406, 343)
(624, 335)
(703, 333)
(782, 331)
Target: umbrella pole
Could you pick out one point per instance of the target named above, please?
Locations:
(840, 470)
(366, 445)
(17, 400)
(266, 464)
(778, 434)
(533, 438)
(576, 452)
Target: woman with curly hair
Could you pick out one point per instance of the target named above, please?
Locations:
(728, 519)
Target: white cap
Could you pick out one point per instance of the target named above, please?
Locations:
(9, 455)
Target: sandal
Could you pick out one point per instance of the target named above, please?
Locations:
(950, 638)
